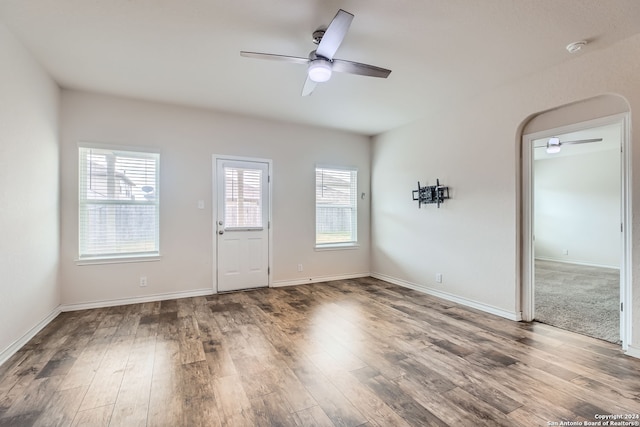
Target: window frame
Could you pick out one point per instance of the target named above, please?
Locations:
(335, 245)
(83, 149)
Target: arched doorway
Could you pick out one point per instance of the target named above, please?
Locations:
(577, 119)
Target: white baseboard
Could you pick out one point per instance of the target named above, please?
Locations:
(136, 300)
(633, 351)
(568, 261)
(295, 282)
(20, 342)
(511, 315)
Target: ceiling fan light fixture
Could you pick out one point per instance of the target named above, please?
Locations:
(321, 62)
(553, 145)
(319, 70)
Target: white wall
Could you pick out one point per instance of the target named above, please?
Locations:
(474, 147)
(577, 208)
(187, 139)
(470, 238)
(29, 194)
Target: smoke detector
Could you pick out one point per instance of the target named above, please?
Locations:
(576, 46)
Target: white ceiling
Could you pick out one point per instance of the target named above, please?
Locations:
(187, 51)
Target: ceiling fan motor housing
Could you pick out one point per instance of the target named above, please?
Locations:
(317, 35)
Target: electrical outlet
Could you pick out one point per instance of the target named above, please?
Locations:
(438, 277)
(143, 281)
(300, 267)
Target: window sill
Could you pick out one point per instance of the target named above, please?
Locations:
(337, 247)
(117, 260)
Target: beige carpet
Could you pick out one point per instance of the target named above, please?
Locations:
(578, 298)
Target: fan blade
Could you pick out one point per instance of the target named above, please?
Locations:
(309, 86)
(581, 141)
(273, 57)
(342, 66)
(334, 34)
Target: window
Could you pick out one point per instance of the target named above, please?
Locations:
(336, 207)
(243, 198)
(118, 203)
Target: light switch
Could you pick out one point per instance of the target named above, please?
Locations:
(200, 204)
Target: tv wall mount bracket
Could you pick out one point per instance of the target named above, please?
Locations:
(431, 194)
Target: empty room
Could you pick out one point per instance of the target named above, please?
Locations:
(325, 213)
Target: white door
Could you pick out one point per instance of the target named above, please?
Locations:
(242, 224)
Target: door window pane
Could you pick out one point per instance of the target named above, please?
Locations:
(243, 197)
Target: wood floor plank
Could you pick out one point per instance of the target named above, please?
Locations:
(199, 404)
(130, 321)
(477, 412)
(214, 344)
(87, 362)
(313, 417)
(105, 385)
(365, 401)
(478, 382)
(272, 409)
(281, 379)
(132, 404)
(216, 353)
(368, 351)
(336, 405)
(259, 384)
(191, 349)
(425, 377)
(401, 401)
(232, 402)
(148, 325)
(358, 352)
(342, 354)
(525, 417)
(169, 325)
(437, 404)
(94, 417)
(570, 395)
(260, 345)
(20, 378)
(35, 398)
(25, 419)
(23, 370)
(165, 400)
(62, 408)
(199, 412)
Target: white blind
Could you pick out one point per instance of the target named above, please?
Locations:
(243, 197)
(119, 203)
(336, 206)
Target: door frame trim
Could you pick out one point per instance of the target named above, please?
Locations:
(214, 210)
(526, 289)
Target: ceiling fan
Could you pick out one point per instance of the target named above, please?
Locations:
(553, 144)
(321, 63)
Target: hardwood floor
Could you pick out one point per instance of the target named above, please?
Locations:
(347, 353)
